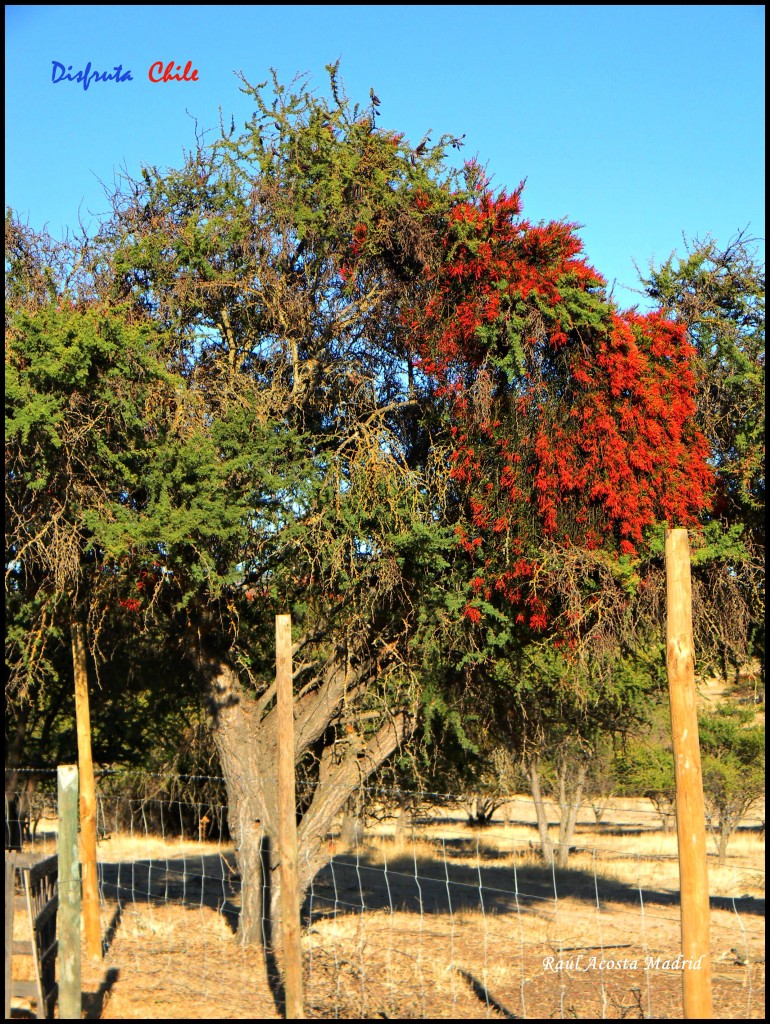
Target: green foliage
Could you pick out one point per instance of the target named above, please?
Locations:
(77, 385)
(214, 412)
(733, 765)
(647, 769)
(644, 764)
(719, 296)
(219, 420)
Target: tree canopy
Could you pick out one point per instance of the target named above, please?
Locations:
(718, 296)
(317, 369)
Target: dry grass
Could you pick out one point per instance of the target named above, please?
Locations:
(457, 923)
(473, 940)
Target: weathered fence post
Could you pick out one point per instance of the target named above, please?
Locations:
(690, 809)
(87, 796)
(69, 894)
(287, 822)
(10, 888)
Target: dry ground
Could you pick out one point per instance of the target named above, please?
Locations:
(450, 923)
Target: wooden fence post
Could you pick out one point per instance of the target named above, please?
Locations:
(287, 822)
(70, 996)
(690, 809)
(10, 889)
(87, 796)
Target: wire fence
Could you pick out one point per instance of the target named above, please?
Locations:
(417, 916)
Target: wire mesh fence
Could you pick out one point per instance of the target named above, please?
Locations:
(415, 915)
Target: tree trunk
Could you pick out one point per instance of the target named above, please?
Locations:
(244, 730)
(352, 824)
(481, 811)
(14, 749)
(533, 774)
(248, 758)
(666, 812)
(569, 805)
(405, 820)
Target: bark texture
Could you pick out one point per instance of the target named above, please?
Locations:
(246, 739)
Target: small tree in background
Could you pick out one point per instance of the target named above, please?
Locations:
(601, 784)
(567, 747)
(646, 769)
(733, 763)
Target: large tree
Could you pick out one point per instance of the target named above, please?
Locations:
(278, 462)
(346, 383)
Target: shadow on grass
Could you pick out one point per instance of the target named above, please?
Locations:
(448, 883)
(93, 1002)
(208, 880)
(482, 993)
(433, 878)
(379, 879)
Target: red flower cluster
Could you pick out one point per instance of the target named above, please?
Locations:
(146, 584)
(571, 420)
(628, 446)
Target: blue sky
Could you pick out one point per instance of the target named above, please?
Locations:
(640, 123)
